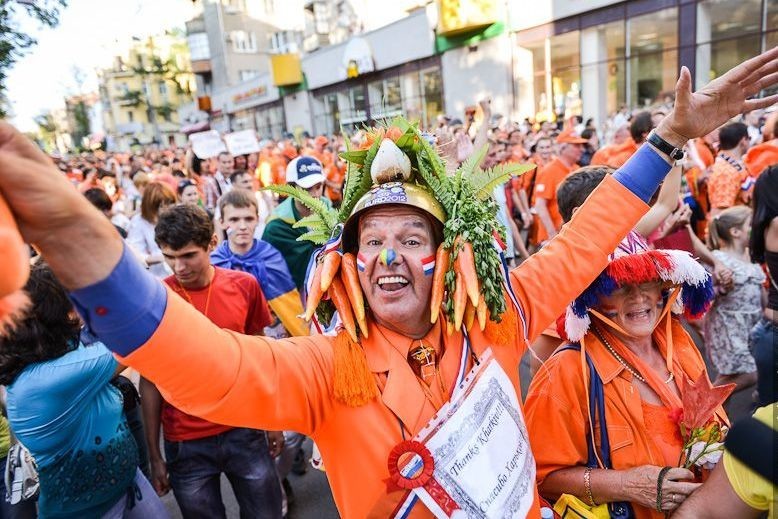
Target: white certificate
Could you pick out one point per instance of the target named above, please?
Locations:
(480, 447)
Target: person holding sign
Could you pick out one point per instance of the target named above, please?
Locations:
(414, 402)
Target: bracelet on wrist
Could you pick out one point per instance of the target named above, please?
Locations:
(588, 485)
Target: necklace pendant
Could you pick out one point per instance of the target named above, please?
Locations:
(423, 362)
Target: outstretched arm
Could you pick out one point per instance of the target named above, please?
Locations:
(575, 258)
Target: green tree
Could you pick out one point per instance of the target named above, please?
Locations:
(13, 42)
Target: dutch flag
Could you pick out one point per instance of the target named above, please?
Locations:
(428, 265)
(360, 262)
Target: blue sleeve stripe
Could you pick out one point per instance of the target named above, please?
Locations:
(643, 172)
(124, 309)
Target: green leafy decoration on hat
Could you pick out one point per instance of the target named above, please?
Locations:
(466, 197)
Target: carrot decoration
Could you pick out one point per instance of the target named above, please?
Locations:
(314, 296)
(16, 269)
(460, 300)
(469, 316)
(339, 298)
(350, 278)
(329, 268)
(481, 312)
(438, 281)
(465, 264)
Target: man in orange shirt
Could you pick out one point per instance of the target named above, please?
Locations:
(763, 155)
(615, 155)
(730, 183)
(366, 411)
(549, 178)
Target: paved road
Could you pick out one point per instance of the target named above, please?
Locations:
(313, 499)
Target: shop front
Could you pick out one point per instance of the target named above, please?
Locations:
(256, 105)
(627, 54)
(378, 75)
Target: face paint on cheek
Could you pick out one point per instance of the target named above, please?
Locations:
(387, 256)
(361, 262)
(428, 265)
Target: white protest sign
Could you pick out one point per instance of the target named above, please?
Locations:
(207, 144)
(242, 142)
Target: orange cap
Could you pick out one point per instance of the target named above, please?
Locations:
(321, 140)
(568, 136)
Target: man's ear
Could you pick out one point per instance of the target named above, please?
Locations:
(213, 243)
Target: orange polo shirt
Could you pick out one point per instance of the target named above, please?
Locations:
(288, 384)
(724, 184)
(546, 184)
(614, 155)
(557, 414)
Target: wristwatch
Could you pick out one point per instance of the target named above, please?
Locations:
(664, 146)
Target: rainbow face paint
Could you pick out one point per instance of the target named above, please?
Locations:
(387, 256)
(428, 265)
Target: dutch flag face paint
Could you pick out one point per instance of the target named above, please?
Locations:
(361, 263)
(428, 265)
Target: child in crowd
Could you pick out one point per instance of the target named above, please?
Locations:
(735, 312)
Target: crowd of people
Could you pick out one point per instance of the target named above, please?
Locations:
(238, 254)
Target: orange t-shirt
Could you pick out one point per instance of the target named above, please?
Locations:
(724, 183)
(761, 156)
(546, 184)
(614, 155)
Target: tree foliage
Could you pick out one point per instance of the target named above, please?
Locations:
(13, 42)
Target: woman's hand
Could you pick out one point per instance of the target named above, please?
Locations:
(640, 485)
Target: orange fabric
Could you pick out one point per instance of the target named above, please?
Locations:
(761, 156)
(287, 384)
(614, 155)
(705, 152)
(557, 414)
(546, 184)
(724, 184)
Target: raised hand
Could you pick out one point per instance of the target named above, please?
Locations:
(698, 113)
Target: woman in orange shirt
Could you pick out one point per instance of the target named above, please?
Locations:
(641, 353)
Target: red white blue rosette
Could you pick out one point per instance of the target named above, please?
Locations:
(410, 465)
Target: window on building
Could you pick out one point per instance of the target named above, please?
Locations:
(122, 88)
(385, 98)
(130, 117)
(555, 89)
(162, 89)
(352, 106)
(245, 75)
(233, 6)
(603, 69)
(270, 122)
(326, 113)
(432, 102)
(728, 34)
(244, 41)
(198, 46)
(653, 57)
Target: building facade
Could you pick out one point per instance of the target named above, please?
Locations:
(143, 90)
(359, 63)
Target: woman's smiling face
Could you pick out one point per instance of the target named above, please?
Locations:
(634, 307)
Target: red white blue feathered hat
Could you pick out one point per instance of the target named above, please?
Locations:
(633, 262)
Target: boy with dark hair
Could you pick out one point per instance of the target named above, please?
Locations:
(198, 451)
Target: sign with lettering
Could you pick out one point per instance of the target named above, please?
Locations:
(242, 142)
(480, 448)
(207, 144)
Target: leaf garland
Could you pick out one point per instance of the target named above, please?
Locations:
(484, 183)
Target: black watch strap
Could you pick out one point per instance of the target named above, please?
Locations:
(664, 146)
